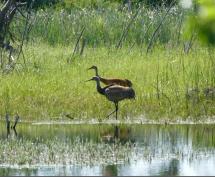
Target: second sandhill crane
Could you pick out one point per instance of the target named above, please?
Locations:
(114, 93)
(107, 81)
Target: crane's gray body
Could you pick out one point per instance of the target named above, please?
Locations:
(117, 93)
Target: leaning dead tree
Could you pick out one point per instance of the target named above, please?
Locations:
(8, 10)
(7, 13)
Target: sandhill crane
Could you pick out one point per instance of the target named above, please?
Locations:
(114, 93)
(122, 82)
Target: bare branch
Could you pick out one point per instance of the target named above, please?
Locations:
(126, 29)
(158, 27)
(78, 40)
(22, 14)
(6, 7)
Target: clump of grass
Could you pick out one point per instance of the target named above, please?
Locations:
(53, 152)
(50, 87)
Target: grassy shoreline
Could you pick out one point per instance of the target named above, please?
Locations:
(47, 86)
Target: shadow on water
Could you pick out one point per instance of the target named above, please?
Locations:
(23, 172)
(119, 149)
(170, 169)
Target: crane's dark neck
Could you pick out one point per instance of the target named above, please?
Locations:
(98, 87)
(96, 70)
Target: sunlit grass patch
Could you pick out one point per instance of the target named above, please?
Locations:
(165, 83)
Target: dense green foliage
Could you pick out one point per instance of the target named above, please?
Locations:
(204, 21)
(104, 27)
(69, 4)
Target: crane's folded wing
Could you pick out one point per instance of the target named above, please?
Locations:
(117, 93)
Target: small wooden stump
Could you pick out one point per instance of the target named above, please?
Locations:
(7, 118)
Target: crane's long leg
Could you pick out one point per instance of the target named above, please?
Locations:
(116, 109)
(116, 105)
(111, 113)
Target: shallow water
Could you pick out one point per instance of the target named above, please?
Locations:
(108, 150)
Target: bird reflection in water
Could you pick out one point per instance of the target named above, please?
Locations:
(118, 134)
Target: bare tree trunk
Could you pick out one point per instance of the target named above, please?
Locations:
(6, 15)
(129, 5)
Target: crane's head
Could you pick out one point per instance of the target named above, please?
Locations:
(128, 82)
(95, 78)
(93, 67)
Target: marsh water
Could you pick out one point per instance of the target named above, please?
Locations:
(106, 149)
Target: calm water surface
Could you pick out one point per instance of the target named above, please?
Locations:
(150, 149)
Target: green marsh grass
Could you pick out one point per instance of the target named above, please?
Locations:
(47, 87)
(57, 152)
(104, 26)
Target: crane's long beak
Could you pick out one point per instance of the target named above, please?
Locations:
(89, 80)
(89, 68)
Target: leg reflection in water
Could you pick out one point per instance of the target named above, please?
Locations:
(119, 134)
(116, 132)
